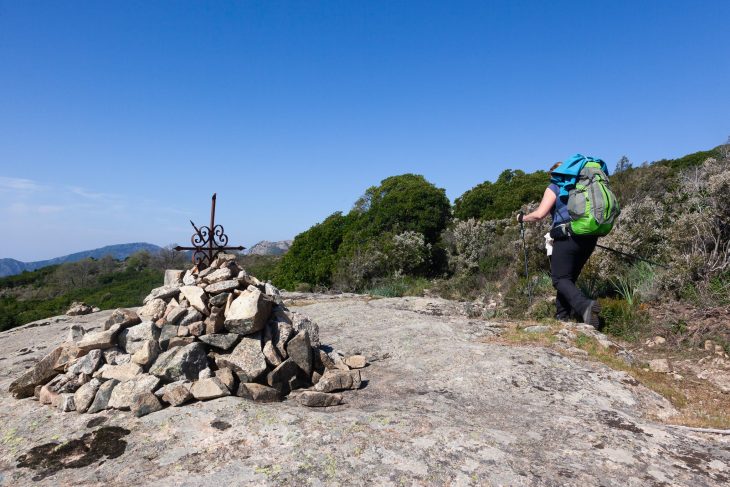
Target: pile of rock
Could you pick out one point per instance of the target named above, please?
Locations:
(202, 335)
(81, 308)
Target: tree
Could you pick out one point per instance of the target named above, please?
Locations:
(312, 256)
(725, 150)
(622, 165)
(402, 203)
(492, 201)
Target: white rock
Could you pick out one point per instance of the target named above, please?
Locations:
(196, 298)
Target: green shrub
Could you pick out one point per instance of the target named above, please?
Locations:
(542, 309)
(303, 287)
(397, 286)
(491, 201)
(623, 320)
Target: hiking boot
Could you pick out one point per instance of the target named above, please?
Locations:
(590, 315)
(565, 317)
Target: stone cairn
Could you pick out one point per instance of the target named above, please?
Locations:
(202, 335)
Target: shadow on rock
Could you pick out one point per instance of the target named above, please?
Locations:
(51, 457)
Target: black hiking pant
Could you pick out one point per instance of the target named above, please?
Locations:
(569, 257)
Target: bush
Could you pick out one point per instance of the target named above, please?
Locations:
(491, 201)
(313, 255)
(409, 253)
(623, 320)
(397, 286)
(467, 244)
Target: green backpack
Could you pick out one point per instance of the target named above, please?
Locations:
(592, 206)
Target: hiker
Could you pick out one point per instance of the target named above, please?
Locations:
(569, 255)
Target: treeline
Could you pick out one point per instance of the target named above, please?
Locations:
(403, 236)
(105, 283)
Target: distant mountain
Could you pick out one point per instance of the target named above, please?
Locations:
(270, 248)
(10, 267)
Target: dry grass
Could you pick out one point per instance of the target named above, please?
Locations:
(515, 335)
(699, 403)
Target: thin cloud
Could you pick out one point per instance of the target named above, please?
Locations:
(19, 184)
(79, 191)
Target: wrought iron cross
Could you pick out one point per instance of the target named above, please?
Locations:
(208, 242)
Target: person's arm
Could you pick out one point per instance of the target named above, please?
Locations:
(547, 203)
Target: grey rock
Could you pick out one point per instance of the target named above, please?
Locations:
(153, 310)
(283, 331)
(301, 323)
(356, 361)
(164, 293)
(214, 322)
(299, 350)
(271, 354)
(174, 277)
(283, 373)
(87, 364)
(177, 394)
(338, 380)
(180, 363)
(222, 286)
(66, 402)
(147, 353)
(78, 309)
(248, 313)
(133, 338)
(192, 316)
(84, 395)
(167, 332)
(271, 290)
(47, 395)
(319, 399)
(189, 278)
(179, 341)
(41, 373)
(115, 356)
(122, 317)
(219, 275)
(258, 392)
(222, 341)
(210, 388)
(124, 392)
(98, 340)
(196, 329)
(175, 315)
(196, 297)
(246, 360)
(219, 300)
(227, 377)
(144, 404)
(660, 365)
(75, 333)
(298, 382)
(537, 329)
(337, 362)
(101, 400)
(121, 373)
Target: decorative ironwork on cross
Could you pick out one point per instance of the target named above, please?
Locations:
(208, 242)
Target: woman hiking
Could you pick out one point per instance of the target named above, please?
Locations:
(570, 253)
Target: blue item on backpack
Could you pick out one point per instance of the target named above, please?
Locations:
(565, 176)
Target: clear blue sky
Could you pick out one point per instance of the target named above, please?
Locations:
(119, 119)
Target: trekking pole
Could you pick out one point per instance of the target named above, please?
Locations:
(524, 247)
(632, 256)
